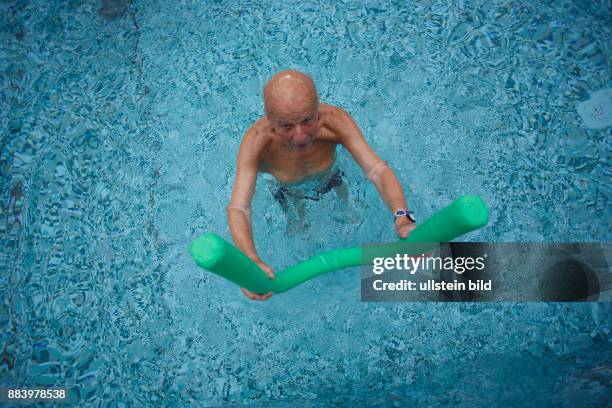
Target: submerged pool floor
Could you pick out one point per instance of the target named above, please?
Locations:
(120, 130)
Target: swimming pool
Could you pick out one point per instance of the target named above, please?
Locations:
(118, 148)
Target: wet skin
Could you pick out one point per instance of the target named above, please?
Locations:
(295, 140)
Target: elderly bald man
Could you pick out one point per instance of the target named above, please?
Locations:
(296, 141)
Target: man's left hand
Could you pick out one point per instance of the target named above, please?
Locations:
(403, 227)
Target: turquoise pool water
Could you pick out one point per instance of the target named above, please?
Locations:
(119, 138)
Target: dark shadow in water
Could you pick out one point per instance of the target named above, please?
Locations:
(569, 281)
(112, 9)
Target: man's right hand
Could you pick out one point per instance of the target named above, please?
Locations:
(269, 272)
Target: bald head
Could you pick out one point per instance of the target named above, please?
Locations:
(289, 91)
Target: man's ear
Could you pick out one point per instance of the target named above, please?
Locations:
(267, 116)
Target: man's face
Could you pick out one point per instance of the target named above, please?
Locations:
(296, 128)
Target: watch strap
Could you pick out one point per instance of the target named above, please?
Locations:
(404, 213)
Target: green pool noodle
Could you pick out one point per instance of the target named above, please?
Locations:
(216, 255)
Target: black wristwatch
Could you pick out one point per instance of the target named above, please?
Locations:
(402, 213)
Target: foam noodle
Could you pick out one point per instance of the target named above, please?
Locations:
(216, 255)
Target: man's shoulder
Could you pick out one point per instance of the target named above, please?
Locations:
(258, 133)
(335, 119)
(326, 108)
(256, 138)
(333, 114)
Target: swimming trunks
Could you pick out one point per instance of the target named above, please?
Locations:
(309, 189)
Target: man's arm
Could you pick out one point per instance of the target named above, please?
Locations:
(239, 208)
(377, 170)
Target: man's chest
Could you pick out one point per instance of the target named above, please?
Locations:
(289, 166)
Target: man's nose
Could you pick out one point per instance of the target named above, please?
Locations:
(299, 133)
